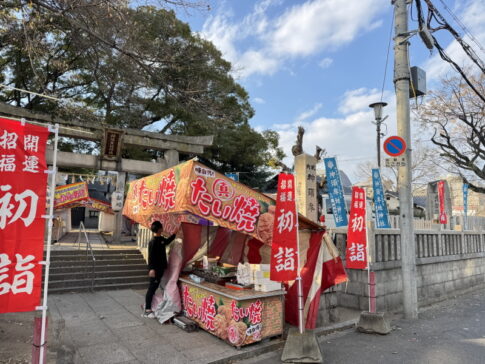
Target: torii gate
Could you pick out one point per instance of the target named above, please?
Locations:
(112, 140)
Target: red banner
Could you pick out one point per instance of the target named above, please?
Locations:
(23, 184)
(284, 252)
(441, 198)
(356, 253)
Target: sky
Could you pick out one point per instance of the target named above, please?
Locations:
(320, 63)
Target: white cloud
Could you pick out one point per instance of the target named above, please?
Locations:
(326, 62)
(472, 16)
(223, 34)
(259, 100)
(253, 61)
(302, 30)
(322, 24)
(360, 99)
(350, 136)
(308, 114)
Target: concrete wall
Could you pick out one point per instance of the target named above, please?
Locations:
(447, 263)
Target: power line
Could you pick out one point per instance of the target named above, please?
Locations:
(30, 92)
(445, 57)
(387, 58)
(465, 29)
(466, 47)
(433, 13)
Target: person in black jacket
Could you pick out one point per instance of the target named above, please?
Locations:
(157, 262)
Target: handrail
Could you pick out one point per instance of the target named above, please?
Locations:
(88, 245)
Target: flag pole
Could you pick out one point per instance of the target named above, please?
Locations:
(370, 277)
(49, 237)
(367, 247)
(301, 326)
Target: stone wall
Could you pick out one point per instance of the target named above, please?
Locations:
(447, 263)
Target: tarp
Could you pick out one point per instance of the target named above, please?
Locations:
(197, 194)
(77, 195)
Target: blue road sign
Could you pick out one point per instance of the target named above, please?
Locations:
(394, 146)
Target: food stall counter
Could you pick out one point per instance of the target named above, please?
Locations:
(240, 317)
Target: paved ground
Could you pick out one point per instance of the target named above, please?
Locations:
(16, 337)
(449, 333)
(107, 327)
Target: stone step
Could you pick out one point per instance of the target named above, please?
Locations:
(96, 256)
(88, 262)
(82, 251)
(99, 268)
(71, 283)
(103, 287)
(86, 275)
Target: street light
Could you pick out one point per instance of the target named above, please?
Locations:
(377, 106)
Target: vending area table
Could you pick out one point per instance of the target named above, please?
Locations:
(239, 317)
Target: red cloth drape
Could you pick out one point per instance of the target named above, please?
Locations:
(235, 249)
(220, 242)
(254, 255)
(192, 238)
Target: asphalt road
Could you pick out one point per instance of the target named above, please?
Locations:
(448, 333)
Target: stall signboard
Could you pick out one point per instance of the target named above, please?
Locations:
(23, 188)
(99, 205)
(336, 192)
(441, 198)
(380, 205)
(284, 251)
(194, 189)
(68, 194)
(77, 195)
(238, 322)
(356, 253)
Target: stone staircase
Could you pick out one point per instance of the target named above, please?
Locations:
(72, 270)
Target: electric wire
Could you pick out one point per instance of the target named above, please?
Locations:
(387, 58)
(462, 26)
(433, 13)
(465, 46)
(30, 92)
(46, 124)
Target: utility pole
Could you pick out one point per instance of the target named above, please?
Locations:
(401, 83)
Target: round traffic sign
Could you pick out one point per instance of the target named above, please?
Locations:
(394, 146)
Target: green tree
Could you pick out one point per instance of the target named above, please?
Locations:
(133, 67)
